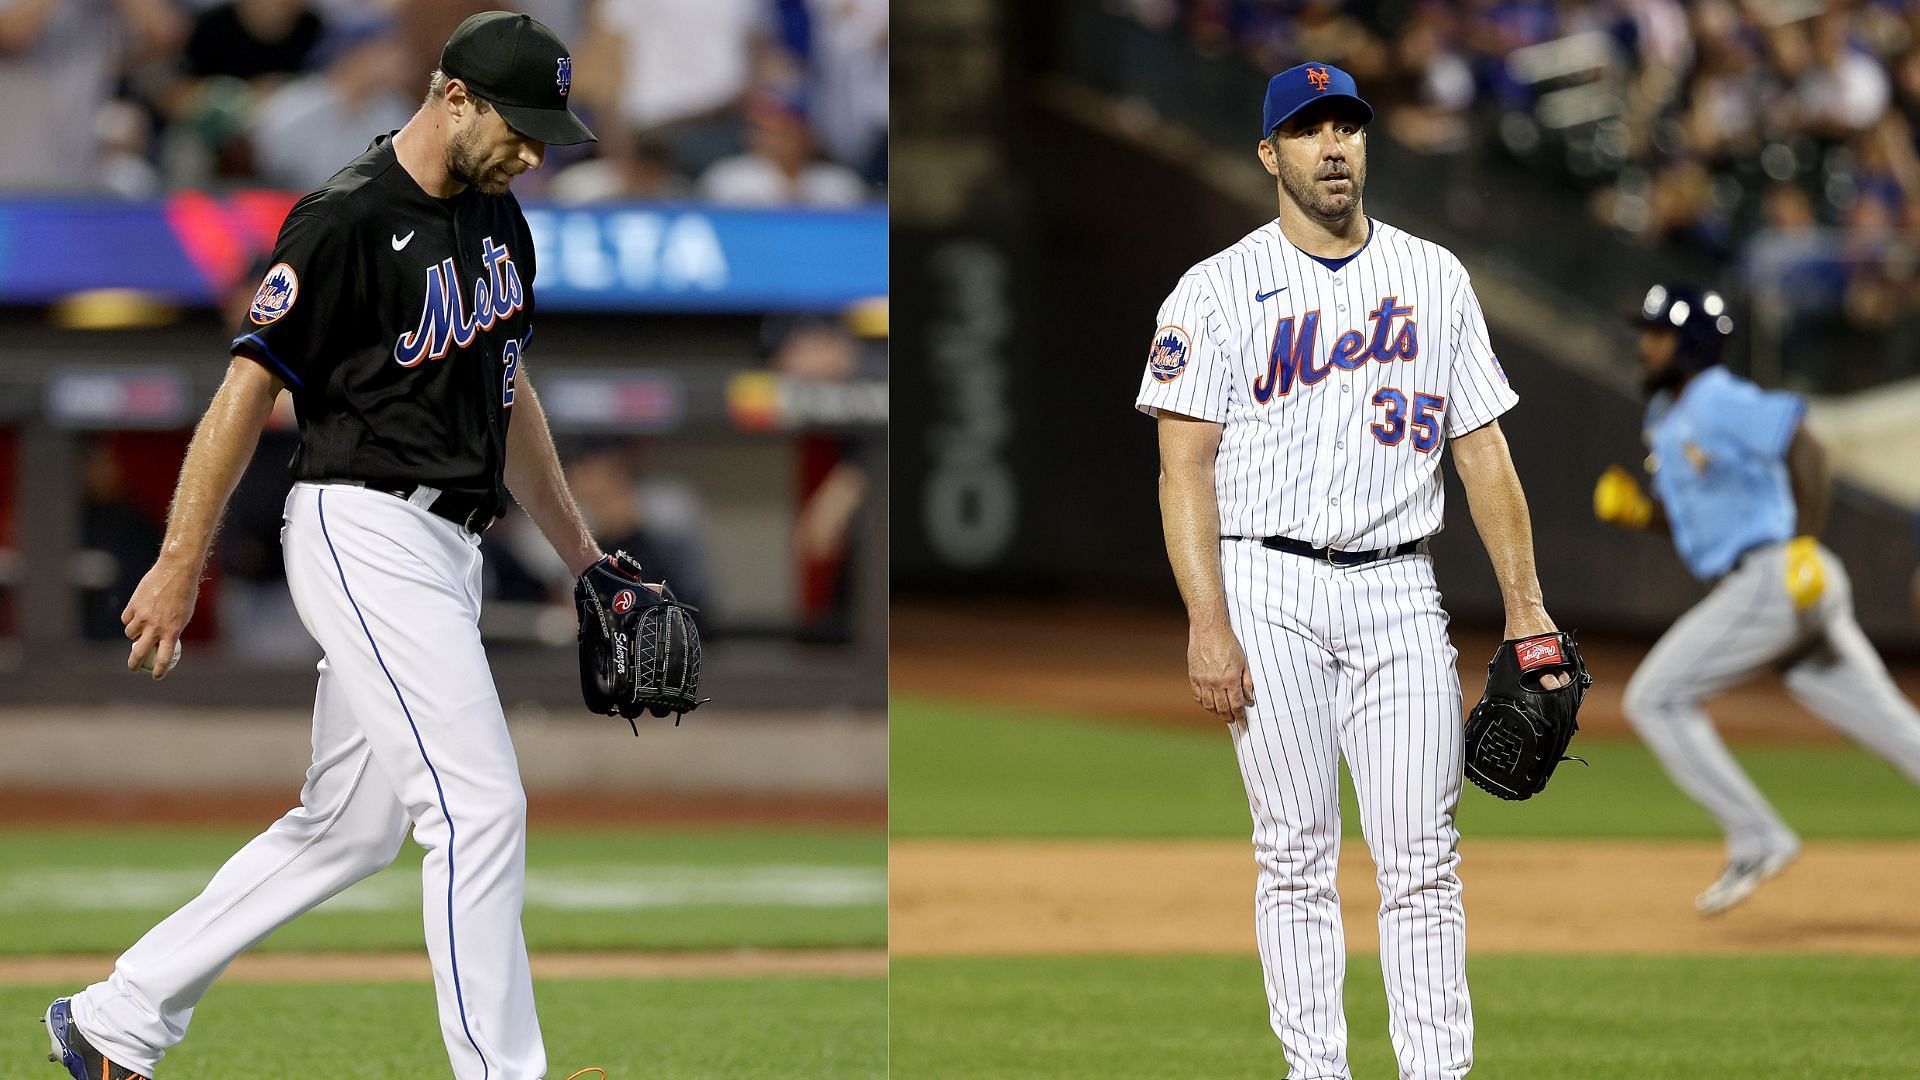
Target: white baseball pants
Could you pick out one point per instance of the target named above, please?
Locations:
(1748, 623)
(1353, 662)
(407, 730)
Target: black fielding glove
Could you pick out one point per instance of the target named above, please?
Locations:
(1519, 732)
(639, 650)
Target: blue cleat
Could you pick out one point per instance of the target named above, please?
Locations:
(71, 1049)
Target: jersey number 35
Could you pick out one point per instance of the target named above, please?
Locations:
(1391, 429)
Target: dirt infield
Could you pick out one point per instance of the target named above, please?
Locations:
(413, 967)
(1523, 896)
(1126, 662)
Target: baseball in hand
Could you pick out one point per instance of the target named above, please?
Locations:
(146, 664)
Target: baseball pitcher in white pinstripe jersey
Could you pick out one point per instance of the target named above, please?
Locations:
(1306, 381)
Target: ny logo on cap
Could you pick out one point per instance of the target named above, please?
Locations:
(1316, 75)
(565, 77)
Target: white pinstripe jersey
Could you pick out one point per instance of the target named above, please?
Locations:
(1336, 388)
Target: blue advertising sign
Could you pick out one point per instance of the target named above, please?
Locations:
(191, 247)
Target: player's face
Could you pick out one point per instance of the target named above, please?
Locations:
(1320, 158)
(1657, 370)
(485, 152)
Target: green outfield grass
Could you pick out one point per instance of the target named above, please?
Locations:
(1537, 1018)
(87, 890)
(770, 1028)
(978, 770)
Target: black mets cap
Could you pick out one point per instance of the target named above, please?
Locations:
(522, 69)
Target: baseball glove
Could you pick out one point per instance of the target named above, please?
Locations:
(1519, 732)
(639, 650)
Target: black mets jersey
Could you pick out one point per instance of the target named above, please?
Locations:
(398, 321)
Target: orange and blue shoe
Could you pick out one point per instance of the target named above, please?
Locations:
(70, 1048)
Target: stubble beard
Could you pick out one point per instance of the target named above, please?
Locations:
(1316, 201)
(464, 165)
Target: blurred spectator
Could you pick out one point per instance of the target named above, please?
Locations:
(606, 483)
(1323, 31)
(846, 62)
(123, 139)
(630, 167)
(249, 39)
(836, 470)
(782, 165)
(1793, 268)
(237, 54)
(1427, 94)
(58, 63)
(117, 543)
(683, 85)
(656, 520)
(1722, 120)
(304, 131)
(1842, 90)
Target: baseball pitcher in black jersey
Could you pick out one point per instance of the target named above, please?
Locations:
(397, 312)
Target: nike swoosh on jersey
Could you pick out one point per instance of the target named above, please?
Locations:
(1263, 297)
(402, 241)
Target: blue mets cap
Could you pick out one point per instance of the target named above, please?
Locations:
(1300, 86)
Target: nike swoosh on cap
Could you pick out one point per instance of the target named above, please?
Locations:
(1263, 297)
(402, 241)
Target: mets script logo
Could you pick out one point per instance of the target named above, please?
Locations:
(1168, 357)
(565, 77)
(276, 295)
(444, 322)
(1291, 357)
(624, 602)
(1319, 78)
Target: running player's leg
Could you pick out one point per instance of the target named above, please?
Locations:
(1403, 740)
(1746, 623)
(1289, 760)
(1844, 680)
(348, 825)
(392, 594)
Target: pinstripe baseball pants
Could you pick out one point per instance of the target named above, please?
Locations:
(1353, 662)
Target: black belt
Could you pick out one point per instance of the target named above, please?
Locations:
(473, 513)
(1331, 555)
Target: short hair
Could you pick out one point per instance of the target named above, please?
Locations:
(437, 89)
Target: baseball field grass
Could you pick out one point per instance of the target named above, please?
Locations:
(608, 895)
(93, 890)
(970, 770)
(754, 1029)
(1538, 1018)
(967, 776)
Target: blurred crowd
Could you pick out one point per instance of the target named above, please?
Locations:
(1777, 137)
(732, 102)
